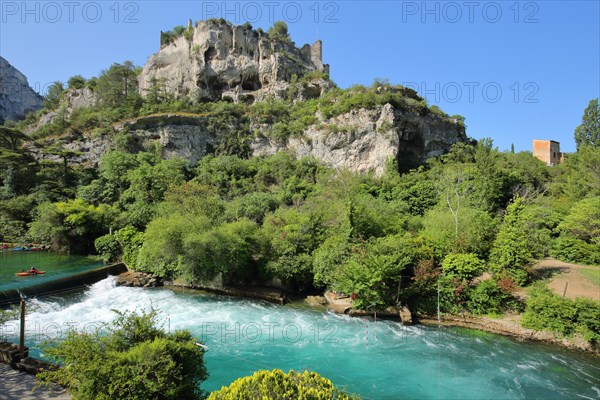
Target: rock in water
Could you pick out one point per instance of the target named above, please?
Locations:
(17, 98)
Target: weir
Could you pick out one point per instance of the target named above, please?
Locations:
(63, 284)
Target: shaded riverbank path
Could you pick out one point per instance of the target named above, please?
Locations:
(17, 385)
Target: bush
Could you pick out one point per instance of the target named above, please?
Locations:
(76, 82)
(279, 32)
(489, 298)
(548, 311)
(579, 241)
(277, 384)
(575, 250)
(135, 359)
(108, 247)
(464, 266)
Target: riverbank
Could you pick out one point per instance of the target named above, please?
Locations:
(508, 325)
(131, 278)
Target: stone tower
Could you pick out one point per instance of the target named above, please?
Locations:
(548, 151)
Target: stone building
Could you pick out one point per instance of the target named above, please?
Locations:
(548, 151)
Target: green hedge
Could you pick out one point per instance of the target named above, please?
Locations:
(277, 384)
(548, 311)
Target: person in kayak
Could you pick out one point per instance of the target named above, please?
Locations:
(33, 270)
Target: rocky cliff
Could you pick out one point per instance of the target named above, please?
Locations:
(359, 129)
(361, 140)
(216, 61)
(17, 98)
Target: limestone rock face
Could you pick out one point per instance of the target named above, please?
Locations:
(364, 140)
(79, 98)
(221, 61)
(17, 98)
(361, 140)
(185, 137)
(72, 100)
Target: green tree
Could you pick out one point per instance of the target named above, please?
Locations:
(133, 359)
(279, 32)
(375, 217)
(588, 133)
(76, 82)
(512, 252)
(579, 239)
(71, 226)
(227, 249)
(487, 182)
(53, 96)
(476, 234)
(17, 165)
(276, 384)
(193, 200)
(578, 177)
(117, 86)
(327, 258)
(374, 269)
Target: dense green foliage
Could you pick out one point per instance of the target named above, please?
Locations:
(132, 359)
(588, 133)
(468, 224)
(276, 384)
(512, 252)
(548, 311)
(279, 32)
(579, 239)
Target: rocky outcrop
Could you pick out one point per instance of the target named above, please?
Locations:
(72, 100)
(405, 315)
(17, 98)
(217, 61)
(178, 135)
(137, 279)
(361, 140)
(364, 140)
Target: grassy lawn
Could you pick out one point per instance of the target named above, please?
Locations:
(593, 275)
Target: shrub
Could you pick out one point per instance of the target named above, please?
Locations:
(575, 250)
(464, 266)
(135, 359)
(277, 384)
(279, 32)
(548, 311)
(489, 298)
(76, 82)
(108, 247)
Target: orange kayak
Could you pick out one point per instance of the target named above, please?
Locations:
(30, 273)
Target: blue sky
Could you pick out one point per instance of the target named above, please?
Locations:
(516, 70)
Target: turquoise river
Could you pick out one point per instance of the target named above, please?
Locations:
(56, 266)
(378, 360)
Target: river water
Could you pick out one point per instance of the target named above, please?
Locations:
(378, 360)
(55, 265)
